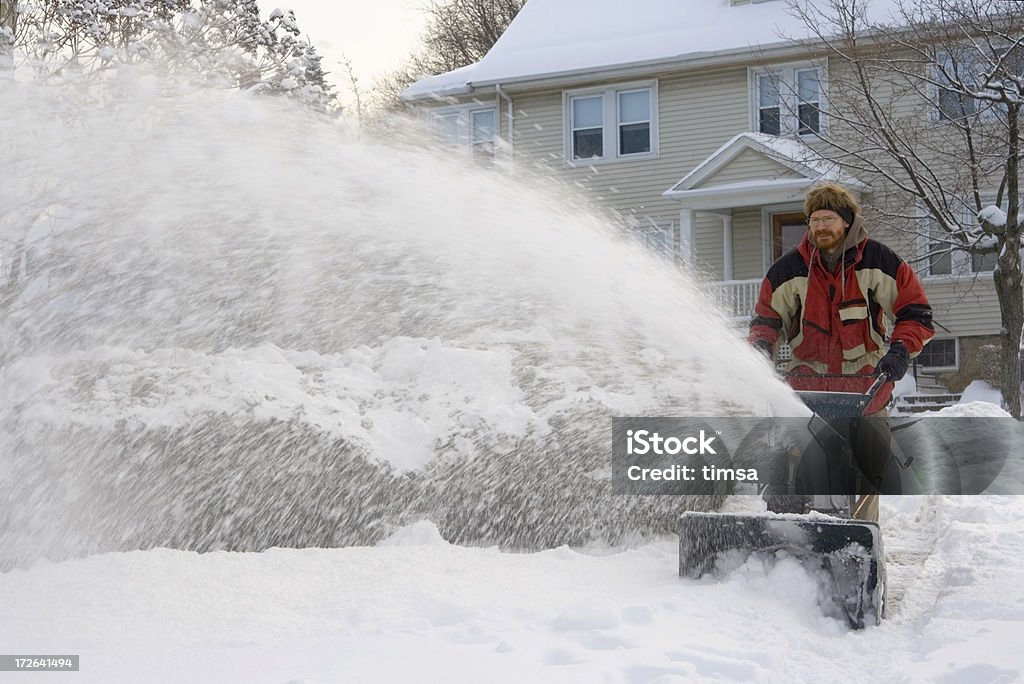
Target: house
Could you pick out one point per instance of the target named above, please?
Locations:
(700, 126)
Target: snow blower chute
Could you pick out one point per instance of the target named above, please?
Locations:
(845, 553)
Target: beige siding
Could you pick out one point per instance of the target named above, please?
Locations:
(710, 247)
(696, 114)
(538, 131)
(965, 307)
(747, 244)
(749, 165)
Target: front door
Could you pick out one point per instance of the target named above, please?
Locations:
(787, 232)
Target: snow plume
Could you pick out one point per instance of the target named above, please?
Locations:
(229, 324)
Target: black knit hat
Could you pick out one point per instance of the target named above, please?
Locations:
(846, 213)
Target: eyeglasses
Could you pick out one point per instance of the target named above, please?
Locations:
(823, 221)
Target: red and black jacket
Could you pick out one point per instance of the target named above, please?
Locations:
(835, 322)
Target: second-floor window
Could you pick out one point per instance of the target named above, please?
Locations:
(960, 73)
(952, 104)
(611, 123)
(788, 100)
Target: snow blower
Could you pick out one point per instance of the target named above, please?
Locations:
(820, 529)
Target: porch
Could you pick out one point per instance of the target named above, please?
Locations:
(735, 298)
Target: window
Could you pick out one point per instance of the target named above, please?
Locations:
(634, 122)
(587, 127)
(939, 254)
(769, 109)
(986, 261)
(953, 105)
(788, 100)
(982, 262)
(942, 256)
(447, 127)
(976, 72)
(653, 234)
(482, 133)
(938, 354)
(808, 102)
(610, 124)
(470, 128)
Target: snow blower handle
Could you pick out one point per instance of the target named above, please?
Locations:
(877, 385)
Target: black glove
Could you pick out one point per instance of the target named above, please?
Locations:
(895, 362)
(766, 348)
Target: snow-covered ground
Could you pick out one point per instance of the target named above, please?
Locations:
(419, 609)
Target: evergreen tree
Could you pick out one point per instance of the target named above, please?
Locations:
(223, 42)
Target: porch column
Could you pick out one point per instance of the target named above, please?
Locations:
(727, 255)
(687, 235)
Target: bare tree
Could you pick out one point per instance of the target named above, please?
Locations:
(458, 33)
(927, 104)
(358, 95)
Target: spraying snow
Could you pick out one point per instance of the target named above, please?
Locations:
(230, 325)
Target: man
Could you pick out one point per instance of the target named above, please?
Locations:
(830, 297)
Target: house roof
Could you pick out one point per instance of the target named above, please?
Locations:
(559, 38)
(441, 85)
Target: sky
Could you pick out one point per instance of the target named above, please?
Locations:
(375, 35)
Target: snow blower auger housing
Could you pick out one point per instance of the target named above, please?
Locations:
(844, 553)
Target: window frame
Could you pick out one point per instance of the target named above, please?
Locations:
(611, 123)
(789, 97)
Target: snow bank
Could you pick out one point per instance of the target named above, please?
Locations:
(981, 391)
(973, 409)
(422, 533)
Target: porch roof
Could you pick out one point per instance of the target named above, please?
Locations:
(802, 164)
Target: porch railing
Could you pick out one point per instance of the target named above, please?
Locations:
(735, 298)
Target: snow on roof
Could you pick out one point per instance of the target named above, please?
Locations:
(442, 85)
(550, 38)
